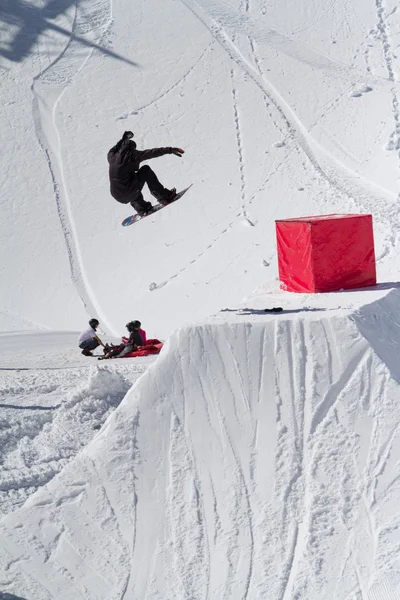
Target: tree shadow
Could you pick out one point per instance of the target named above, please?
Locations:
(32, 21)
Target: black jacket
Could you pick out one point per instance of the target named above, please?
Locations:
(135, 339)
(124, 161)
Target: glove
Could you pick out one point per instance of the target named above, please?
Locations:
(127, 135)
(177, 151)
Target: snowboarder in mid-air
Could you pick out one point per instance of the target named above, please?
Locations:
(127, 178)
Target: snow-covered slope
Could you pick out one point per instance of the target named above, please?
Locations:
(283, 110)
(258, 458)
(53, 401)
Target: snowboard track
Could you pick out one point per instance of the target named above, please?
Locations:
(43, 116)
(361, 192)
(388, 57)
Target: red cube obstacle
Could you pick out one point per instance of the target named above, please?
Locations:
(326, 253)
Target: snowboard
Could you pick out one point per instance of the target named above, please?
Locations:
(276, 309)
(134, 218)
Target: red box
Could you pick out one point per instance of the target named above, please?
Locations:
(326, 253)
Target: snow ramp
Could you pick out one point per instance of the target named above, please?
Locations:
(258, 458)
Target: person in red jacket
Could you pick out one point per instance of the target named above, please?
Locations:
(127, 177)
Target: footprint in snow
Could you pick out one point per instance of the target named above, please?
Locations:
(358, 91)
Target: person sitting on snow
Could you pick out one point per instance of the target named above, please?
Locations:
(127, 178)
(89, 340)
(131, 344)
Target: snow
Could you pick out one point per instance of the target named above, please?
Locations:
(256, 458)
(52, 404)
(258, 455)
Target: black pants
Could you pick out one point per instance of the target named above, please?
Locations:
(89, 344)
(147, 175)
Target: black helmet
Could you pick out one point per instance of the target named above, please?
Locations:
(132, 325)
(130, 144)
(94, 323)
(126, 143)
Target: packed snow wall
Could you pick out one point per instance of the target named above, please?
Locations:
(252, 460)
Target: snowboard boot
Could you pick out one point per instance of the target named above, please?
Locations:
(170, 197)
(144, 213)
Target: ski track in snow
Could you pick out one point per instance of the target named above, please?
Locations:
(239, 143)
(243, 387)
(240, 148)
(232, 223)
(339, 176)
(332, 394)
(47, 132)
(383, 33)
(287, 343)
(168, 91)
(217, 239)
(242, 23)
(290, 131)
(244, 213)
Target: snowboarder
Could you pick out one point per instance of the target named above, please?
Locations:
(127, 178)
(89, 340)
(131, 344)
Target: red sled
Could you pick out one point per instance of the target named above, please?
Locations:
(152, 346)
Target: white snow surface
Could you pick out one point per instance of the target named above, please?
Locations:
(52, 403)
(258, 457)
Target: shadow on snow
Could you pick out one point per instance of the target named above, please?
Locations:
(33, 21)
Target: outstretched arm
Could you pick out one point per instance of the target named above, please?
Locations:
(98, 340)
(156, 152)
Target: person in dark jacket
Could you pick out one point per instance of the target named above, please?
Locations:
(127, 177)
(130, 345)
